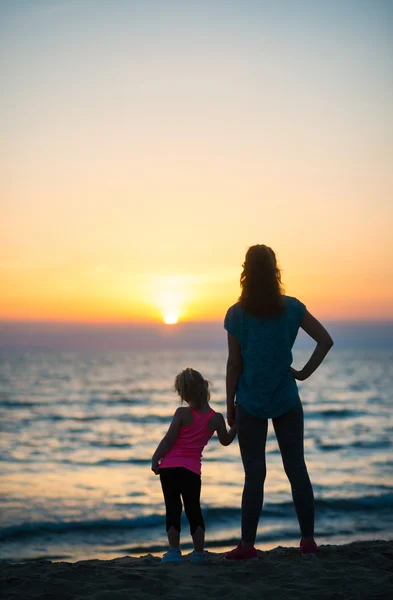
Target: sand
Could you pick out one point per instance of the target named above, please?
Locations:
(357, 570)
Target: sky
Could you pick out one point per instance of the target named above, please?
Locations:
(147, 144)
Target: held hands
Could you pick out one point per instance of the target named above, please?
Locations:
(233, 430)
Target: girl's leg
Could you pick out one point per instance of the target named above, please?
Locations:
(170, 483)
(191, 493)
(173, 537)
(198, 538)
(289, 430)
(252, 433)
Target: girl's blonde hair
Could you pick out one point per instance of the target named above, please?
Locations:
(192, 387)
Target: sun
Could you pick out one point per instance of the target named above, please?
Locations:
(171, 318)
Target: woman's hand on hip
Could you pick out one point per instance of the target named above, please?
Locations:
(297, 374)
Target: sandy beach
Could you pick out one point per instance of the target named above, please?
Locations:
(352, 571)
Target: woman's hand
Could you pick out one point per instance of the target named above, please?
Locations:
(231, 414)
(297, 374)
(155, 466)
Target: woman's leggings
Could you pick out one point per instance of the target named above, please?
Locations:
(252, 433)
(177, 483)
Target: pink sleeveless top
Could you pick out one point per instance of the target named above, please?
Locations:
(188, 447)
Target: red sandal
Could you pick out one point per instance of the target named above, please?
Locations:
(308, 547)
(240, 553)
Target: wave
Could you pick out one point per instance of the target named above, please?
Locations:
(135, 419)
(99, 444)
(61, 527)
(336, 413)
(105, 462)
(110, 402)
(11, 404)
(113, 399)
(362, 503)
(367, 444)
(213, 515)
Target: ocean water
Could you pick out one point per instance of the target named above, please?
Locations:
(78, 431)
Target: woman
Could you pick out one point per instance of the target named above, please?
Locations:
(262, 328)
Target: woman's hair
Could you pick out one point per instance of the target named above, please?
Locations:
(192, 387)
(261, 283)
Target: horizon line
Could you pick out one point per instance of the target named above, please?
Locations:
(171, 326)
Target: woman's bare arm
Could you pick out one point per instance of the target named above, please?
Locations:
(234, 368)
(316, 330)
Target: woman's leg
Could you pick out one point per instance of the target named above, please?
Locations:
(191, 493)
(289, 430)
(170, 483)
(252, 433)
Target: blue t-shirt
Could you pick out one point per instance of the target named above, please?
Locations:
(266, 388)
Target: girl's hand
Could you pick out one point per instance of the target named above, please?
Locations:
(231, 415)
(233, 430)
(297, 374)
(155, 467)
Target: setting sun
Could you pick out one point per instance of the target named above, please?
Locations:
(171, 319)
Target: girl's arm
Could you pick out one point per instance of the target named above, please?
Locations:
(168, 440)
(234, 368)
(225, 437)
(324, 342)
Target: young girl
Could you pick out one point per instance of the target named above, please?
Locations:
(178, 461)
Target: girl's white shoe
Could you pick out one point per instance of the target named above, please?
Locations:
(173, 555)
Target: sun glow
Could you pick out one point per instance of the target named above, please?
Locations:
(171, 319)
(170, 294)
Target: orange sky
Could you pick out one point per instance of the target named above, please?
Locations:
(146, 145)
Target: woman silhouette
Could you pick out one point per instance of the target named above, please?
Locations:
(262, 328)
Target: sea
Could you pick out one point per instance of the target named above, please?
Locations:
(78, 430)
